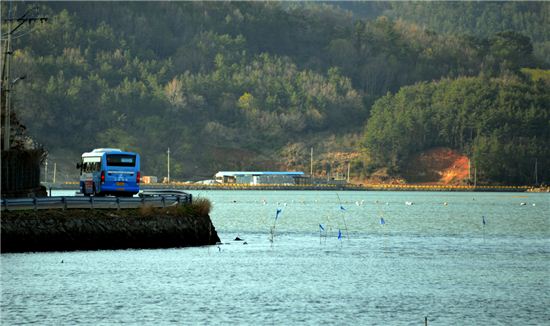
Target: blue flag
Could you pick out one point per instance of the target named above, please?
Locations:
(339, 234)
(382, 222)
(278, 212)
(321, 227)
(483, 220)
(342, 208)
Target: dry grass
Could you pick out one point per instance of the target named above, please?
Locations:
(146, 210)
(201, 206)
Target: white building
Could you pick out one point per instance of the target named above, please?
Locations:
(258, 178)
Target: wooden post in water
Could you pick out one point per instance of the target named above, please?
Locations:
(426, 321)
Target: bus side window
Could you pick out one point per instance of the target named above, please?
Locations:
(87, 167)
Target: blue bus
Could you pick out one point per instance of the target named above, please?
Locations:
(109, 171)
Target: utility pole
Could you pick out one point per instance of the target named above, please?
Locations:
(6, 67)
(6, 85)
(469, 170)
(536, 171)
(168, 164)
(46, 172)
(311, 164)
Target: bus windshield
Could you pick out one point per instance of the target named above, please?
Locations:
(121, 160)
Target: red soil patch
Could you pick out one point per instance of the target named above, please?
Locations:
(438, 165)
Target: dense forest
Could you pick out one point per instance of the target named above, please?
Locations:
(498, 122)
(255, 85)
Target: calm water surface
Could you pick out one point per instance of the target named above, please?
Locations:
(428, 259)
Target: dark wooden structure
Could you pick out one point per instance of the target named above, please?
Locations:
(21, 173)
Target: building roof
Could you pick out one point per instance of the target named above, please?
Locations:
(98, 152)
(101, 150)
(235, 173)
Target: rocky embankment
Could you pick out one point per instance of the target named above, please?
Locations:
(72, 229)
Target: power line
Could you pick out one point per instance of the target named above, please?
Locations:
(5, 77)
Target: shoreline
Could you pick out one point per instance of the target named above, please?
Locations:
(349, 187)
(105, 229)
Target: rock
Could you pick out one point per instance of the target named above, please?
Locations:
(58, 230)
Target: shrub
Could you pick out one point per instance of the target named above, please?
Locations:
(201, 206)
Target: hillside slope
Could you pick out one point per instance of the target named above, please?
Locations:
(255, 85)
(438, 165)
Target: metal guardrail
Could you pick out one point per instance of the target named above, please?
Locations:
(156, 199)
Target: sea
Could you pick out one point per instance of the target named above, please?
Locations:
(309, 258)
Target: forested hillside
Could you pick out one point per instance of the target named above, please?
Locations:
(501, 123)
(254, 85)
(482, 19)
(476, 18)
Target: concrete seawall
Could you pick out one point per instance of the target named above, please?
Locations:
(76, 229)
